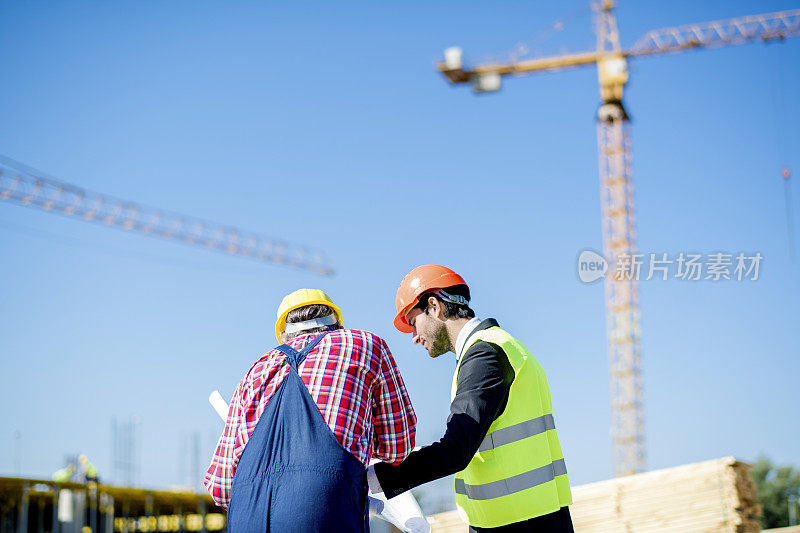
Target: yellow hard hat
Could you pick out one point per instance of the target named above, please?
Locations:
(302, 298)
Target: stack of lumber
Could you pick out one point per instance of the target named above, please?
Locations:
(448, 522)
(713, 496)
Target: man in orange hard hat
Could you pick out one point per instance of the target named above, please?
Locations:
(500, 440)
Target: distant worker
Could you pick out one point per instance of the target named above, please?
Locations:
(304, 423)
(64, 475)
(500, 440)
(87, 471)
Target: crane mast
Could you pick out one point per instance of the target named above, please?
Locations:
(623, 328)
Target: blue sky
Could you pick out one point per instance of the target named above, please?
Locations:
(327, 125)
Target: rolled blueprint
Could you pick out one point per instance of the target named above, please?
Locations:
(403, 511)
(219, 405)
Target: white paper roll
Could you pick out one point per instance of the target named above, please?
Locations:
(219, 405)
(403, 511)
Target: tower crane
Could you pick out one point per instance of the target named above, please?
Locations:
(616, 180)
(28, 187)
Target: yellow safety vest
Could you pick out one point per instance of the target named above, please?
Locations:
(518, 472)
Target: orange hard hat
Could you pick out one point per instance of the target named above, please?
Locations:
(420, 280)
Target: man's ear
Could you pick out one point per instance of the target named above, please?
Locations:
(436, 308)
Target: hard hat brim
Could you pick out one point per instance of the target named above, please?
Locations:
(401, 324)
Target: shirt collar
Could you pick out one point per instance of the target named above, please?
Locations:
(464, 334)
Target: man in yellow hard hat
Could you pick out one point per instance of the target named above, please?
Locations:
(304, 423)
(500, 440)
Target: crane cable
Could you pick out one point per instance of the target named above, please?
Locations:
(783, 148)
(787, 194)
(523, 47)
(526, 45)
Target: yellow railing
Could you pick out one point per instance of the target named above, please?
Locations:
(37, 505)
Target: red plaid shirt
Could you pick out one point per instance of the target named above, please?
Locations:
(352, 377)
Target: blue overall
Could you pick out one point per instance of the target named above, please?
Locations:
(294, 476)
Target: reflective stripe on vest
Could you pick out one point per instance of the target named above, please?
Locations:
(520, 431)
(504, 487)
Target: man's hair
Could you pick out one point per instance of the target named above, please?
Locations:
(451, 310)
(301, 314)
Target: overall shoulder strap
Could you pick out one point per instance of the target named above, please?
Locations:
(295, 358)
(291, 354)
